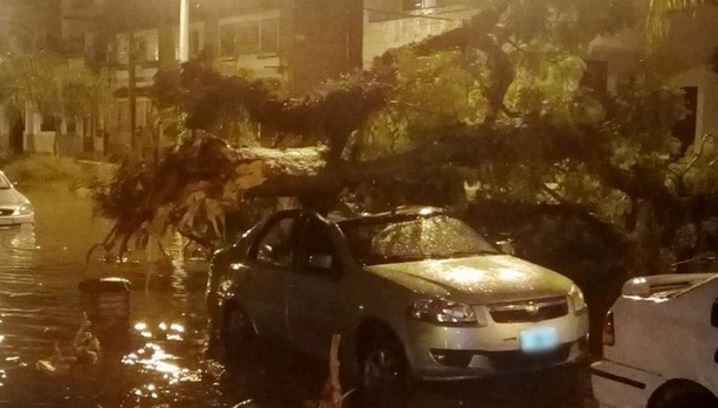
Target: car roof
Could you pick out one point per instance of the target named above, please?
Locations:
(399, 213)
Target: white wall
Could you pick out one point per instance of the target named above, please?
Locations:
(684, 59)
(706, 80)
(387, 27)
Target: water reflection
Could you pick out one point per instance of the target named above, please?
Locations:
(163, 360)
(39, 306)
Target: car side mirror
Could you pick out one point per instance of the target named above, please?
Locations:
(507, 246)
(321, 261)
(714, 314)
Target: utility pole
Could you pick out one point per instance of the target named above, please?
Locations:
(131, 94)
(132, 84)
(184, 31)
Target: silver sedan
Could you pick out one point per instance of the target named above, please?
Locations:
(415, 293)
(15, 208)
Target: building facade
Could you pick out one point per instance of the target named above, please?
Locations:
(686, 59)
(298, 43)
(301, 43)
(25, 27)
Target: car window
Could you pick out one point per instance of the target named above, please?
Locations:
(276, 246)
(318, 252)
(412, 238)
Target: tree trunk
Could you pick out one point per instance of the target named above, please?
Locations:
(646, 241)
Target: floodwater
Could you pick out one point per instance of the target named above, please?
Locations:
(163, 362)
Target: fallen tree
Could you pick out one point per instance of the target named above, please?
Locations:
(497, 106)
(190, 188)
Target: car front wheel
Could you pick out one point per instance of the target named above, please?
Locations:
(239, 336)
(384, 379)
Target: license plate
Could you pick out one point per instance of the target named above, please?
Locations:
(539, 340)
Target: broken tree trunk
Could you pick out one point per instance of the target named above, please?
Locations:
(332, 396)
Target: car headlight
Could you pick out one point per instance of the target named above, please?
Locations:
(577, 298)
(25, 209)
(444, 312)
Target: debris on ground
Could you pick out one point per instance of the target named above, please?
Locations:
(86, 349)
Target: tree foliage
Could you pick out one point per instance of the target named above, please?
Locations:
(496, 109)
(658, 24)
(54, 86)
(329, 114)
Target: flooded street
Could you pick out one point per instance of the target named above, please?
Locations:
(40, 306)
(163, 363)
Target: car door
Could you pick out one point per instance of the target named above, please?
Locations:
(269, 262)
(316, 295)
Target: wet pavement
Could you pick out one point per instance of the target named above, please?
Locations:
(162, 363)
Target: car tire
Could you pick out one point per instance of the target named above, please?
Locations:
(565, 381)
(383, 373)
(239, 336)
(690, 400)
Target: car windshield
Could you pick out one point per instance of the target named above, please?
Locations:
(4, 183)
(412, 238)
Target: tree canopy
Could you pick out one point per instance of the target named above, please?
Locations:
(659, 12)
(51, 84)
(497, 109)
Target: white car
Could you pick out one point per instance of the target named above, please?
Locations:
(661, 345)
(416, 294)
(15, 208)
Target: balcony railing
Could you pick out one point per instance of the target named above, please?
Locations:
(421, 8)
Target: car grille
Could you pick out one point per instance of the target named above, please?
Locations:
(509, 361)
(517, 360)
(6, 212)
(529, 311)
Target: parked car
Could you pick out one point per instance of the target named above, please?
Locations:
(661, 344)
(415, 293)
(15, 208)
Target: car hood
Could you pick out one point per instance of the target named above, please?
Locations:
(11, 198)
(479, 280)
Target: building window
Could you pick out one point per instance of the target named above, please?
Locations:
(122, 48)
(142, 51)
(228, 34)
(143, 112)
(48, 124)
(685, 130)
(249, 38)
(419, 4)
(270, 35)
(596, 77)
(123, 114)
(71, 124)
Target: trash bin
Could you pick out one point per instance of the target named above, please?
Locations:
(107, 304)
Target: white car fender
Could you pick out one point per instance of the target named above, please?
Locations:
(622, 386)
